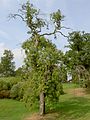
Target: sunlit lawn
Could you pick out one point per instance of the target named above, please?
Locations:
(71, 107)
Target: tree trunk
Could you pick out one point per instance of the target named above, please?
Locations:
(42, 103)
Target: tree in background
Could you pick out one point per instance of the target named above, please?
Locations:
(43, 60)
(7, 66)
(78, 56)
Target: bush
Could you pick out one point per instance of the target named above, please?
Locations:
(17, 91)
(5, 94)
(4, 85)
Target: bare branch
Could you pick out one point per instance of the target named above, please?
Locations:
(66, 28)
(62, 34)
(16, 15)
(52, 33)
(45, 34)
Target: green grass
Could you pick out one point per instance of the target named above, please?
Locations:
(70, 85)
(12, 110)
(71, 107)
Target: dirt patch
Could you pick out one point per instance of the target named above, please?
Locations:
(51, 116)
(77, 92)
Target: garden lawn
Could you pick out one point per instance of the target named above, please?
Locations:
(12, 110)
(74, 105)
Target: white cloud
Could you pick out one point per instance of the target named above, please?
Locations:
(19, 56)
(2, 48)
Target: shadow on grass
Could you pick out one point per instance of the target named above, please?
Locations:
(73, 109)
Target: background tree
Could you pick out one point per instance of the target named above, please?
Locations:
(7, 65)
(42, 57)
(78, 56)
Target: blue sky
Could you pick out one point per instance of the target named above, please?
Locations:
(14, 32)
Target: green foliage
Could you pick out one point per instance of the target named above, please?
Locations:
(18, 72)
(57, 17)
(7, 66)
(4, 89)
(77, 59)
(21, 73)
(6, 83)
(10, 80)
(16, 91)
(43, 66)
(43, 60)
(4, 94)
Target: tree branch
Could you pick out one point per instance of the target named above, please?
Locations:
(52, 33)
(66, 28)
(62, 34)
(45, 34)
(16, 15)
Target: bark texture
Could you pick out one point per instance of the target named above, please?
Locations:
(42, 103)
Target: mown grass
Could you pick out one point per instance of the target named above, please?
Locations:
(73, 108)
(70, 107)
(12, 110)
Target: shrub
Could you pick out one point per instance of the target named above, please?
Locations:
(4, 85)
(5, 94)
(17, 91)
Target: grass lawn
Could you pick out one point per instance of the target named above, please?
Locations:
(74, 105)
(12, 110)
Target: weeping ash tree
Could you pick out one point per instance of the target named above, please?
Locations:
(78, 57)
(43, 59)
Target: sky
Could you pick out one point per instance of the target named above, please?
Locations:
(14, 32)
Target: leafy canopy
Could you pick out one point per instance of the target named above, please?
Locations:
(7, 65)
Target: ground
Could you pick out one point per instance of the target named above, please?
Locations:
(77, 92)
(75, 105)
(46, 117)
